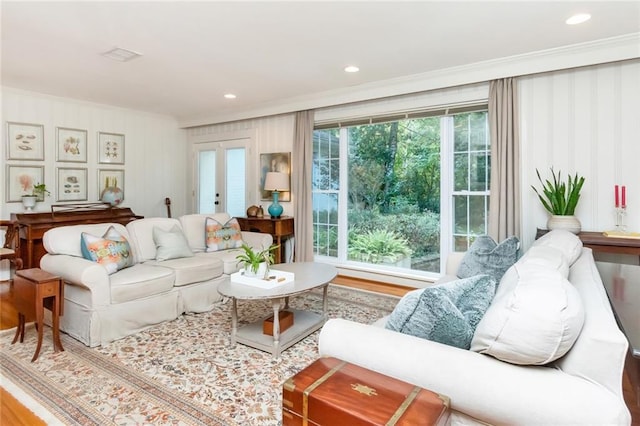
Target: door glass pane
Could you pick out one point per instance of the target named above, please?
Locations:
(206, 181)
(235, 178)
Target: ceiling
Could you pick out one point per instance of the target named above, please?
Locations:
(270, 52)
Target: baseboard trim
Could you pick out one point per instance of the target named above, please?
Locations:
(371, 285)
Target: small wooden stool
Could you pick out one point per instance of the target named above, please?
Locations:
(35, 289)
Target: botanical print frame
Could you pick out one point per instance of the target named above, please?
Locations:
(71, 145)
(20, 181)
(25, 141)
(275, 162)
(110, 148)
(114, 177)
(72, 184)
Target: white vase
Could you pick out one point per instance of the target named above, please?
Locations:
(29, 202)
(568, 223)
(263, 270)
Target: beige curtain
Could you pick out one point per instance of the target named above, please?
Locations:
(504, 205)
(302, 163)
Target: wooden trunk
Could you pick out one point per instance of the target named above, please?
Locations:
(334, 392)
(285, 320)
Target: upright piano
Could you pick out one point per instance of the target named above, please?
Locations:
(32, 226)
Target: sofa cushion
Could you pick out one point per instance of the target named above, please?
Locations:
(189, 270)
(170, 244)
(227, 257)
(140, 281)
(545, 257)
(486, 257)
(112, 250)
(568, 243)
(534, 319)
(193, 224)
(141, 233)
(446, 313)
(222, 236)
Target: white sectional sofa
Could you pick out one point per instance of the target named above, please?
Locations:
(100, 308)
(583, 387)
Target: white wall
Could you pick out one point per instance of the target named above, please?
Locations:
(585, 120)
(155, 150)
(268, 134)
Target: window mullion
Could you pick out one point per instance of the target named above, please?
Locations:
(343, 195)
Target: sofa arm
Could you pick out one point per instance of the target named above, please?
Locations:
(257, 240)
(80, 272)
(479, 386)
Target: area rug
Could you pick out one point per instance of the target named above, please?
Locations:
(182, 372)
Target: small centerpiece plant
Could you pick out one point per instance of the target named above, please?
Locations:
(256, 262)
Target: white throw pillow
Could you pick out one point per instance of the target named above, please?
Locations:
(568, 243)
(533, 320)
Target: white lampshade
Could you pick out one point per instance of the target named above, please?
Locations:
(275, 181)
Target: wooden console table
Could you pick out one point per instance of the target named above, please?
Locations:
(597, 242)
(278, 228)
(35, 289)
(32, 226)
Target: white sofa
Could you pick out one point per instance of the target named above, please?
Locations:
(584, 387)
(100, 308)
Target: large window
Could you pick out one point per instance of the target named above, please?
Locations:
(396, 194)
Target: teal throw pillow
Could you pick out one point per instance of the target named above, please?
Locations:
(485, 256)
(446, 313)
(171, 244)
(112, 250)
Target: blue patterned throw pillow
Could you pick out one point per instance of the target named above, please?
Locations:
(445, 313)
(485, 256)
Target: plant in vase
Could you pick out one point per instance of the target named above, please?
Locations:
(256, 263)
(38, 192)
(560, 200)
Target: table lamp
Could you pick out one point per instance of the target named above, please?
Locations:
(276, 182)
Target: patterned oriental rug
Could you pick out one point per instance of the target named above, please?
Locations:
(182, 372)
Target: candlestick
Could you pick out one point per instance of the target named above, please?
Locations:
(624, 196)
(617, 197)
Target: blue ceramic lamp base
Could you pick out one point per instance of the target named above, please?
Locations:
(275, 209)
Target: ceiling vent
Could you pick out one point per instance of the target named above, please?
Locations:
(121, 55)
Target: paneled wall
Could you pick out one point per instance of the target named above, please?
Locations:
(268, 134)
(156, 151)
(585, 120)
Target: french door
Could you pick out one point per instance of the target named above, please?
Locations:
(220, 176)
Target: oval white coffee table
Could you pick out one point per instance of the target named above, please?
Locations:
(308, 275)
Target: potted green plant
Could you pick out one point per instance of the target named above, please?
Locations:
(560, 200)
(256, 262)
(40, 191)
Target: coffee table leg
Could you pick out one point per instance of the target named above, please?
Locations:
(325, 302)
(234, 320)
(276, 327)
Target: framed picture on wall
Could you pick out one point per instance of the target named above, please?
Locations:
(20, 181)
(71, 145)
(108, 178)
(110, 148)
(72, 184)
(25, 141)
(274, 162)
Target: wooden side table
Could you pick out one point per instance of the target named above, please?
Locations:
(278, 228)
(35, 289)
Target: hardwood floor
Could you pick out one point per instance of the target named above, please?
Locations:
(12, 413)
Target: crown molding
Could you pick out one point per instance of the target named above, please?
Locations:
(601, 51)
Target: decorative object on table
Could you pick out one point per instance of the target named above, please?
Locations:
(256, 263)
(25, 141)
(621, 208)
(29, 202)
(110, 148)
(71, 145)
(260, 213)
(560, 200)
(38, 192)
(111, 178)
(72, 184)
(279, 162)
(21, 180)
(252, 211)
(276, 182)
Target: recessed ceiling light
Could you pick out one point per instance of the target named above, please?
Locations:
(578, 19)
(121, 55)
(351, 68)
(230, 96)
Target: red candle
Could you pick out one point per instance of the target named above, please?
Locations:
(617, 197)
(624, 196)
